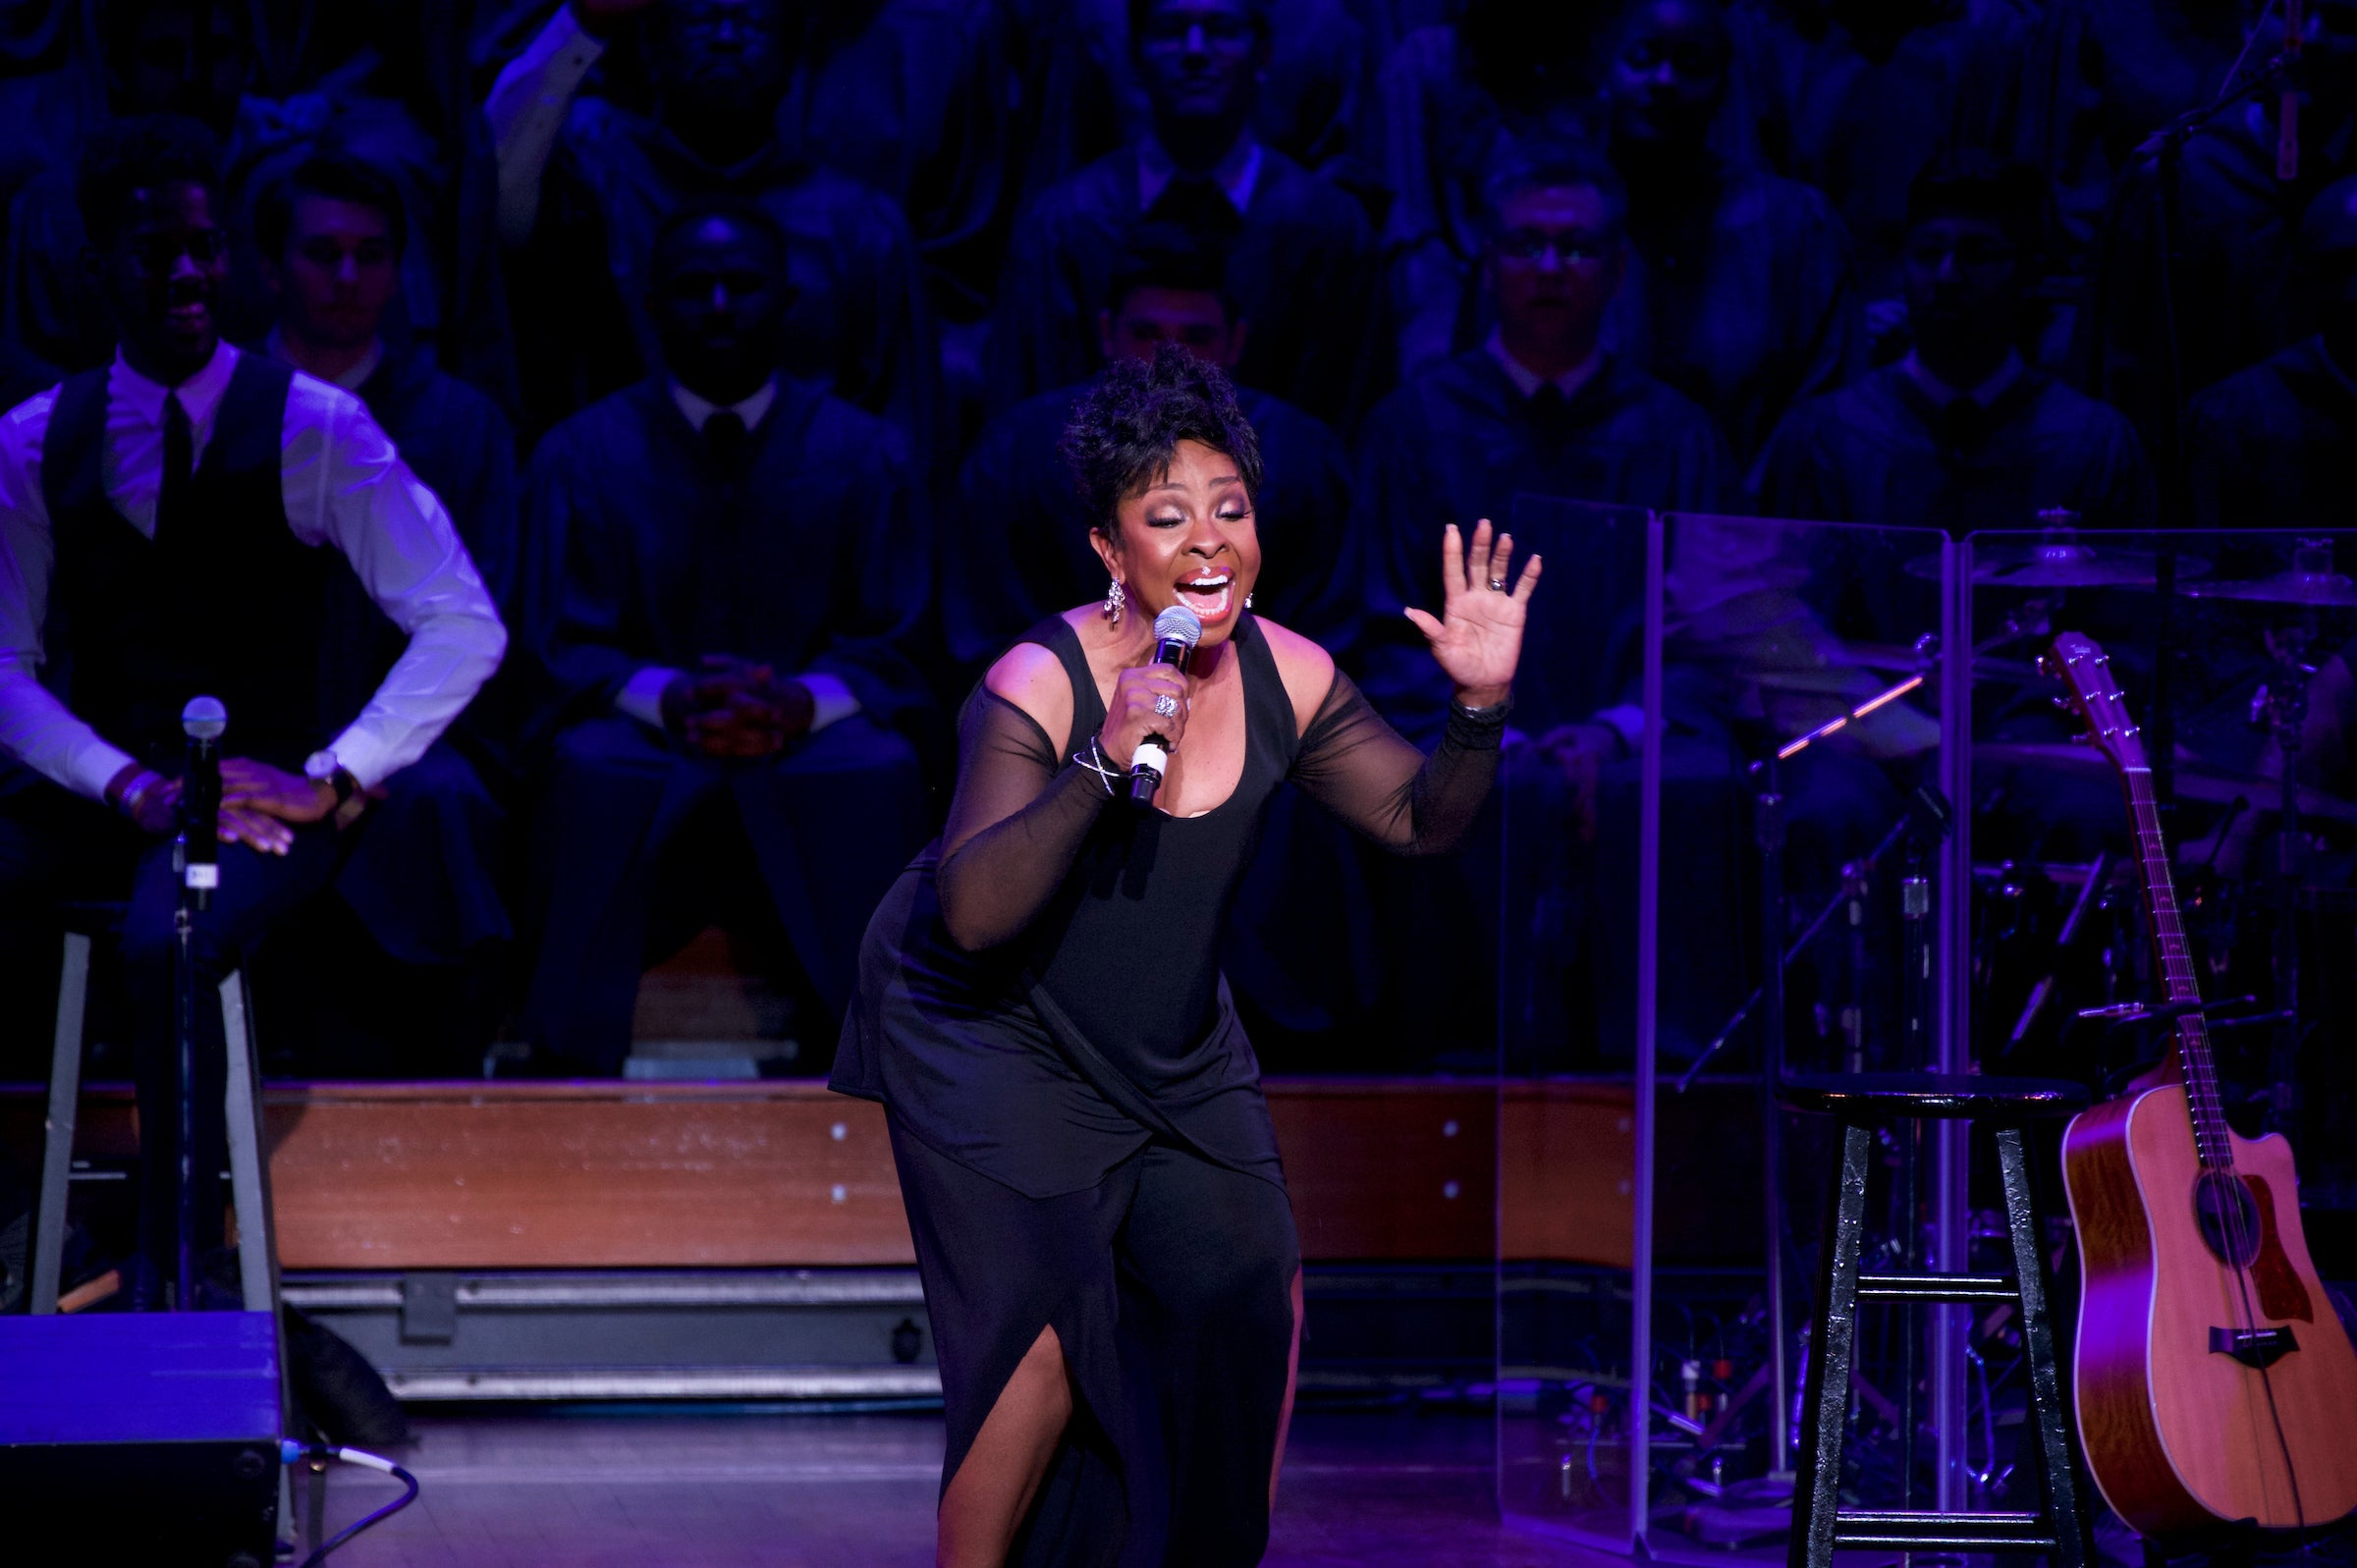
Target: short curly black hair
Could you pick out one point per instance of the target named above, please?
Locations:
(1125, 428)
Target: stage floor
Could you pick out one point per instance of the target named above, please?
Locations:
(736, 1491)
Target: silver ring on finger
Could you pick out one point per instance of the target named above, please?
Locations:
(1165, 705)
(1497, 585)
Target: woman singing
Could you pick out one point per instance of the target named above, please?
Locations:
(1090, 1172)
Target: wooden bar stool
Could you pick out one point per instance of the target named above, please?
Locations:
(249, 1179)
(1861, 1102)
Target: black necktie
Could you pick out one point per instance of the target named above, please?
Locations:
(1193, 201)
(719, 537)
(1551, 411)
(1964, 425)
(724, 439)
(179, 464)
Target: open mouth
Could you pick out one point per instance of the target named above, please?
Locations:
(1209, 594)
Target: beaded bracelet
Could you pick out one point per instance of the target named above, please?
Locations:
(1093, 759)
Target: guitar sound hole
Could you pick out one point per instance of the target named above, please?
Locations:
(2228, 1217)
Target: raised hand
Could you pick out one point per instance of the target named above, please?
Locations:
(1477, 637)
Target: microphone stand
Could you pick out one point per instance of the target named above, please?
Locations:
(1767, 822)
(196, 872)
(184, 1019)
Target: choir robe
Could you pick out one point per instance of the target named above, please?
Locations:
(426, 875)
(1301, 269)
(1021, 550)
(2276, 446)
(858, 323)
(1750, 308)
(1883, 452)
(807, 552)
(2237, 294)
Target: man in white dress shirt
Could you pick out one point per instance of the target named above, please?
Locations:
(164, 525)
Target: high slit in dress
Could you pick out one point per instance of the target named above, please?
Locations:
(1076, 1116)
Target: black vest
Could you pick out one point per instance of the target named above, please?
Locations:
(226, 603)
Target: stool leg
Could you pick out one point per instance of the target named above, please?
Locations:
(1825, 1399)
(57, 1144)
(242, 1109)
(2052, 1421)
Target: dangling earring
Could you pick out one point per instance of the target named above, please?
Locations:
(1247, 601)
(1115, 599)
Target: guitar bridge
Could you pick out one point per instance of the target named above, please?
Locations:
(2258, 1348)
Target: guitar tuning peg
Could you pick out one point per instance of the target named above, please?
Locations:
(2061, 704)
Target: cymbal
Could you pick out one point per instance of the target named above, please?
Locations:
(2062, 564)
(2324, 589)
(2210, 786)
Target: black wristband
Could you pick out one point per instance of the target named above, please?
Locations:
(346, 787)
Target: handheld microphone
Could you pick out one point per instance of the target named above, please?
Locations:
(203, 722)
(1176, 630)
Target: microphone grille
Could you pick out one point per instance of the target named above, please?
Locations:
(1179, 624)
(203, 719)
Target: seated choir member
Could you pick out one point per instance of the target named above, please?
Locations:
(1023, 548)
(725, 569)
(1961, 434)
(2274, 446)
(585, 183)
(1545, 408)
(424, 879)
(168, 522)
(1743, 295)
(1302, 260)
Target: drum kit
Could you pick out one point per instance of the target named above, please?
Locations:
(2055, 927)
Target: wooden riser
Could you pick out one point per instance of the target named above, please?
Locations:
(782, 1173)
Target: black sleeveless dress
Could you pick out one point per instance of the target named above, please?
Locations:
(1046, 1064)
(1076, 1117)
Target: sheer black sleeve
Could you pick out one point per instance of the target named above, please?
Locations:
(1016, 825)
(1360, 769)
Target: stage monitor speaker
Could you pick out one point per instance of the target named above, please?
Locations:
(141, 1438)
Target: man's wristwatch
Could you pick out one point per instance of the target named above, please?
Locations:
(321, 767)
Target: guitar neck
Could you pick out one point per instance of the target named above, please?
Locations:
(2176, 971)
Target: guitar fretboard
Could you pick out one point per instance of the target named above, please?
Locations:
(2177, 974)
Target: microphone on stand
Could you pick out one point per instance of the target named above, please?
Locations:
(1176, 630)
(203, 722)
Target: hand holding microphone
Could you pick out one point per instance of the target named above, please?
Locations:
(1147, 716)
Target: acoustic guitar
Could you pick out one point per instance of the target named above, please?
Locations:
(2215, 1385)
